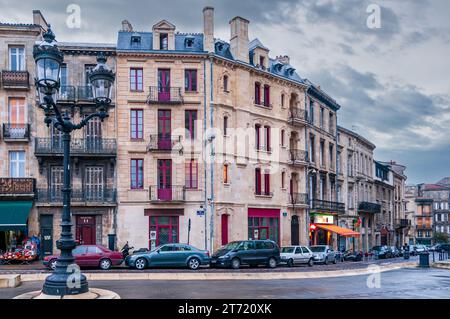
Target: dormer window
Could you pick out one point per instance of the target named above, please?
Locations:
(189, 43)
(135, 40)
(163, 41)
(262, 62)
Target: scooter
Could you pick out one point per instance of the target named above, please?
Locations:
(126, 250)
(353, 256)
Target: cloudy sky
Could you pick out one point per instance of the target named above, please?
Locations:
(393, 82)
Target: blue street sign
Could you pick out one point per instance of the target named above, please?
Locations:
(200, 212)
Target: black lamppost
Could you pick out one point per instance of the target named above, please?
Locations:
(48, 63)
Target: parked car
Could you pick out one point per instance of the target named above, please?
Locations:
(90, 256)
(420, 249)
(441, 248)
(295, 255)
(382, 252)
(395, 252)
(324, 254)
(169, 255)
(351, 255)
(247, 252)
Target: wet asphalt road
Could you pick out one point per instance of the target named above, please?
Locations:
(409, 283)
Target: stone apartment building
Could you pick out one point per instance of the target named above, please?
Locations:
(18, 165)
(357, 188)
(410, 212)
(93, 155)
(384, 194)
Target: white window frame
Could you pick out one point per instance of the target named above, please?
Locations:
(19, 57)
(15, 160)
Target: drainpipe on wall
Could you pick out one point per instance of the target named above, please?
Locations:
(211, 109)
(307, 171)
(205, 141)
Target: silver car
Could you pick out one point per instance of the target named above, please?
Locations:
(324, 254)
(295, 255)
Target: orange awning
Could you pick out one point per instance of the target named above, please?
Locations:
(339, 230)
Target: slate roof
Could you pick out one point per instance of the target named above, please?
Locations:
(125, 44)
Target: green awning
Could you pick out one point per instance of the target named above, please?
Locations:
(14, 214)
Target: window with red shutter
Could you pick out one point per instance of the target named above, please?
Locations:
(266, 95)
(258, 181)
(257, 136)
(267, 184)
(257, 93)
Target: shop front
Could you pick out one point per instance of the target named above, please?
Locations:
(325, 231)
(13, 224)
(163, 226)
(264, 224)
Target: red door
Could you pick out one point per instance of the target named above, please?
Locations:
(164, 85)
(85, 230)
(165, 180)
(224, 229)
(164, 130)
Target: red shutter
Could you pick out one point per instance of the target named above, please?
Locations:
(224, 229)
(267, 184)
(268, 138)
(267, 95)
(258, 181)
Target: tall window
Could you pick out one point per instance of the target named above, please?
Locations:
(267, 183)
(137, 173)
(190, 117)
(164, 41)
(322, 123)
(282, 137)
(257, 93)
(258, 136)
(226, 177)
(267, 138)
(331, 151)
(311, 112)
(282, 100)
(225, 83)
(17, 58)
(322, 151)
(262, 62)
(137, 124)
(331, 123)
(266, 96)
(17, 112)
(312, 155)
(258, 181)
(225, 125)
(191, 174)
(283, 180)
(17, 164)
(64, 76)
(190, 80)
(136, 79)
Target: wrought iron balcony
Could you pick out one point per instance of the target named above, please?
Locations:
(16, 132)
(367, 207)
(97, 194)
(327, 206)
(79, 147)
(167, 194)
(67, 94)
(170, 95)
(15, 79)
(84, 93)
(159, 142)
(298, 116)
(298, 156)
(16, 187)
(402, 223)
(298, 198)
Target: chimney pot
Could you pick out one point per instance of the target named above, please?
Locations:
(239, 39)
(208, 29)
(126, 26)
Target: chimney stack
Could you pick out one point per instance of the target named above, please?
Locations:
(284, 59)
(239, 39)
(126, 26)
(208, 29)
(39, 19)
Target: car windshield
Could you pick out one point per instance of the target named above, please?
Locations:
(232, 245)
(288, 250)
(377, 248)
(317, 249)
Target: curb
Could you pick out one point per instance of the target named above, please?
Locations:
(441, 265)
(93, 293)
(10, 281)
(231, 276)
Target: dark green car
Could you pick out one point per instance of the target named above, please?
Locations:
(169, 255)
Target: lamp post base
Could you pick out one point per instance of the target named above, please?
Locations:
(65, 285)
(92, 293)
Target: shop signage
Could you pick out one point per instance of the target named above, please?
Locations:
(324, 219)
(16, 185)
(200, 213)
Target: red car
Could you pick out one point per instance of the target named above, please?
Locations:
(90, 256)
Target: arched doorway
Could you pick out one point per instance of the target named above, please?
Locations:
(295, 236)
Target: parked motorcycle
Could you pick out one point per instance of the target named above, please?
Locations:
(126, 250)
(351, 255)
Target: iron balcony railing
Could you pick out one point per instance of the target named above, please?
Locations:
(15, 79)
(298, 115)
(402, 223)
(16, 131)
(162, 142)
(160, 95)
(86, 146)
(67, 94)
(84, 93)
(298, 156)
(298, 198)
(174, 193)
(17, 186)
(96, 194)
(264, 193)
(327, 206)
(368, 207)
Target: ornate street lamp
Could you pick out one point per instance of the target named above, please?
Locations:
(66, 280)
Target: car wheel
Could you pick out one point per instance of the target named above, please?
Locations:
(326, 261)
(141, 264)
(52, 264)
(235, 263)
(311, 262)
(290, 263)
(105, 264)
(194, 263)
(272, 262)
